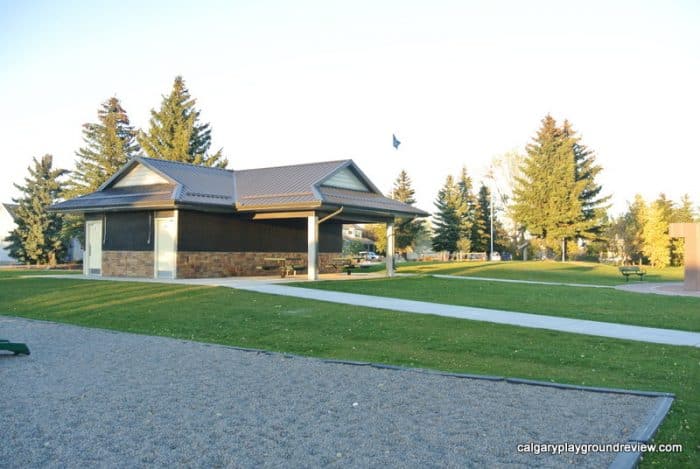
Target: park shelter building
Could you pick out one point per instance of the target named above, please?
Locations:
(166, 219)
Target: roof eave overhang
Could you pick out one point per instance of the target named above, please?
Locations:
(315, 205)
(113, 208)
(374, 212)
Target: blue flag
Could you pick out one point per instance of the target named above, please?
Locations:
(395, 142)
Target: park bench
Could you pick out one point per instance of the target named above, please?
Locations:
(346, 264)
(14, 347)
(628, 270)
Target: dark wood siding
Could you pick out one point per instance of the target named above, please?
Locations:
(201, 231)
(330, 236)
(128, 231)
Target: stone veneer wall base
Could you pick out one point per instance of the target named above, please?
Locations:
(202, 264)
(127, 263)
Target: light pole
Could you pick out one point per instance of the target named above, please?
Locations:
(491, 237)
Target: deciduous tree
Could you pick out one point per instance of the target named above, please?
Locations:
(657, 242)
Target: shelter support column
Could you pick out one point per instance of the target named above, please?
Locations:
(390, 248)
(313, 247)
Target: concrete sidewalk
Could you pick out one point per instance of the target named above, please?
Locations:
(530, 282)
(668, 288)
(536, 321)
(576, 326)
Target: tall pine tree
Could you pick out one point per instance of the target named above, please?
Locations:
(447, 221)
(176, 134)
(482, 235)
(467, 211)
(594, 206)
(37, 238)
(406, 230)
(109, 144)
(482, 227)
(557, 198)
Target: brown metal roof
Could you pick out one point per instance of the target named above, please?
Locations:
(155, 195)
(367, 200)
(289, 187)
(282, 184)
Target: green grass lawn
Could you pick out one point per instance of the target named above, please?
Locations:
(544, 271)
(597, 304)
(294, 325)
(14, 272)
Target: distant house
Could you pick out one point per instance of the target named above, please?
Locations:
(7, 224)
(356, 233)
(165, 219)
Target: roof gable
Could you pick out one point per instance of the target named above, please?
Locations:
(140, 175)
(152, 182)
(345, 178)
(283, 185)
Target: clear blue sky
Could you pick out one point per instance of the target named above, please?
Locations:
(459, 82)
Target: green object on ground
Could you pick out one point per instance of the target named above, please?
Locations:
(628, 270)
(15, 347)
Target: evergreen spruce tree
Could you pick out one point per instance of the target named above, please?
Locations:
(482, 225)
(447, 222)
(109, 144)
(685, 213)
(594, 206)
(482, 235)
(176, 134)
(557, 198)
(406, 230)
(467, 212)
(37, 238)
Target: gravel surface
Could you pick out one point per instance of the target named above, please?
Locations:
(87, 397)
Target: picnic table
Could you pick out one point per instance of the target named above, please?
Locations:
(628, 270)
(286, 265)
(346, 264)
